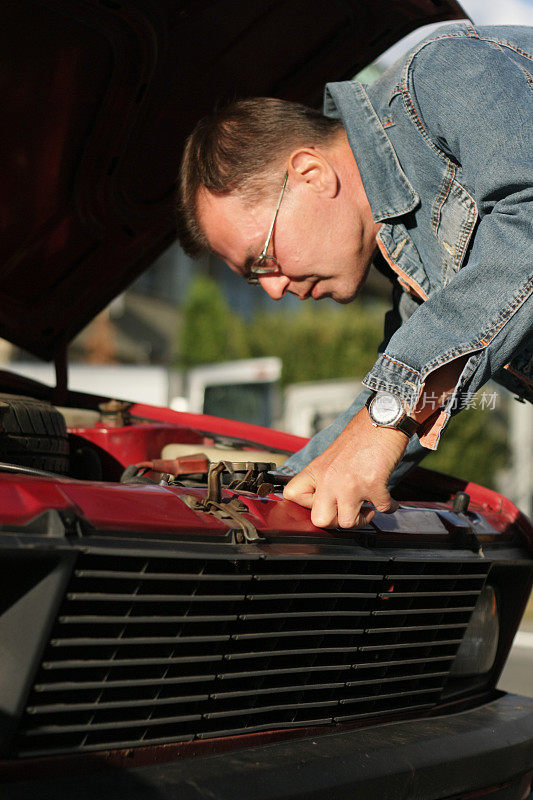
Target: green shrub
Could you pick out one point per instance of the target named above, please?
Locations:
(473, 447)
(209, 330)
(319, 343)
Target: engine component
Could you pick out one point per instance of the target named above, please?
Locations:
(173, 467)
(115, 413)
(225, 507)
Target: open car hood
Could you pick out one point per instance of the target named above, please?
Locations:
(97, 99)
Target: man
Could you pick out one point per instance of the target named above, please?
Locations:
(430, 172)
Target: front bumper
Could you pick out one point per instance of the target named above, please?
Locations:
(427, 759)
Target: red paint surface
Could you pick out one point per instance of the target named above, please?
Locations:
(110, 505)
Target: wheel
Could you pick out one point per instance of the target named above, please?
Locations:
(33, 434)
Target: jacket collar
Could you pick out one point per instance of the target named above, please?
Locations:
(389, 192)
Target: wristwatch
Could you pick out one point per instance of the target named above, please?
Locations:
(386, 411)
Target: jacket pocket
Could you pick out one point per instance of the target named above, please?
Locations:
(454, 218)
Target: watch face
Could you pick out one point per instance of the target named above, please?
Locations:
(385, 408)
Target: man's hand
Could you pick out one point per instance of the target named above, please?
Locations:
(354, 468)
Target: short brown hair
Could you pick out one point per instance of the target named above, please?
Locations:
(239, 147)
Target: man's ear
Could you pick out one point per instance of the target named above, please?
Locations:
(310, 167)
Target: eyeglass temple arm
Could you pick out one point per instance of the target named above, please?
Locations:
(280, 198)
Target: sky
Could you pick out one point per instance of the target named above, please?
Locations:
(482, 12)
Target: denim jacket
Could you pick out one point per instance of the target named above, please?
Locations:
(444, 145)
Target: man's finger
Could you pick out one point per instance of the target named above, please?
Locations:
(301, 489)
(364, 517)
(324, 511)
(348, 514)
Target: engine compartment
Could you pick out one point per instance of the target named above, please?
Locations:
(99, 445)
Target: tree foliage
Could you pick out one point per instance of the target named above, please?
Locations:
(209, 330)
(319, 343)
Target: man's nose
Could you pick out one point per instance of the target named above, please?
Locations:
(274, 285)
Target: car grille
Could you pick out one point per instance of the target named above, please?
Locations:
(168, 649)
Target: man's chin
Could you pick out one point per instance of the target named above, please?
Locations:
(346, 297)
(336, 299)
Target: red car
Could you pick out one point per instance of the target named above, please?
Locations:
(169, 625)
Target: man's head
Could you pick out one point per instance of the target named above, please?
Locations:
(232, 174)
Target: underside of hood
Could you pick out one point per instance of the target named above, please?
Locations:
(97, 99)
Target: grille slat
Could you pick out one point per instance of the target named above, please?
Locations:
(109, 663)
(63, 708)
(396, 595)
(392, 612)
(314, 595)
(116, 597)
(260, 673)
(439, 643)
(82, 619)
(302, 651)
(243, 712)
(113, 684)
(157, 576)
(396, 711)
(115, 641)
(311, 632)
(406, 628)
(398, 678)
(404, 662)
(428, 577)
(150, 650)
(50, 730)
(304, 614)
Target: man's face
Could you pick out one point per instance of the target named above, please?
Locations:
(324, 237)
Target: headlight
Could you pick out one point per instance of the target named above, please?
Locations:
(477, 651)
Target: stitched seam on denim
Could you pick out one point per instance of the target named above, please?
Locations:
(485, 337)
(402, 86)
(509, 45)
(443, 194)
(411, 283)
(400, 364)
(529, 76)
(412, 112)
(507, 313)
(378, 384)
(471, 32)
(450, 356)
(467, 231)
(403, 177)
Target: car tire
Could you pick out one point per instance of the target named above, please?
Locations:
(33, 434)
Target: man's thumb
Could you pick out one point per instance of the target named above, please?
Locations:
(301, 489)
(386, 504)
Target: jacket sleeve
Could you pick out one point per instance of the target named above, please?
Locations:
(474, 104)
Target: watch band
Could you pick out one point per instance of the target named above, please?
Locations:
(407, 425)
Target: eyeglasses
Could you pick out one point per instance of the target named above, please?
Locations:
(265, 264)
